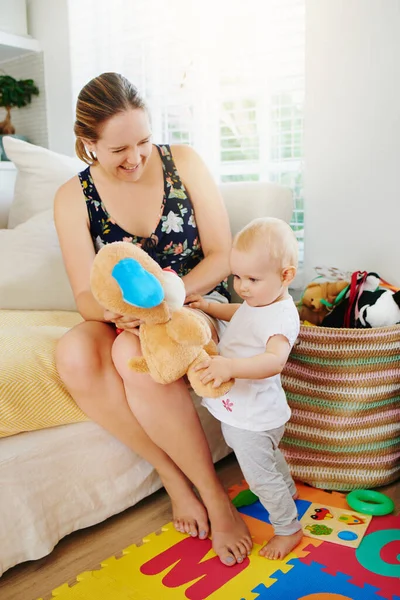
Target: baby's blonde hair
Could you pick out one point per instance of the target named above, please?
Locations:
(275, 235)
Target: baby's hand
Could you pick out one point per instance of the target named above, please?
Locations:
(217, 369)
(197, 301)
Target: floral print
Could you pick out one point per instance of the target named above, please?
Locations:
(228, 404)
(174, 243)
(172, 222)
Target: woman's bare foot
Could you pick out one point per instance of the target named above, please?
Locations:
(231, 539)
(280, 545)
(190, 515)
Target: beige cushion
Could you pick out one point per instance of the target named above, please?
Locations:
(40, 173)
(246, 201)
(32, 273)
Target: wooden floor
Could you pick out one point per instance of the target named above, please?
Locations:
(85, 549)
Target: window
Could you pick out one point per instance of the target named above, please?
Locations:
(226, 77)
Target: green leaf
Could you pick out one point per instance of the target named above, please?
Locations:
(15, 93)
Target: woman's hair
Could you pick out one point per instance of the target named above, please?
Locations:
(275, 235)
(102, 98)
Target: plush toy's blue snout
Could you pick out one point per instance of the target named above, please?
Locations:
(138, 286)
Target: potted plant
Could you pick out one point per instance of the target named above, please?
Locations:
(13, 93)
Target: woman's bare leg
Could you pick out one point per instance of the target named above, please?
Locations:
(84, 362)
(167, 414)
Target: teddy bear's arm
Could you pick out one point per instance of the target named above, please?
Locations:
(211, 348)
(138, 364)
(185, 327)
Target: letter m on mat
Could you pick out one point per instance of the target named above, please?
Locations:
(185, 557)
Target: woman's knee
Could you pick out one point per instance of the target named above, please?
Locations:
(125, 347)
(82, 353)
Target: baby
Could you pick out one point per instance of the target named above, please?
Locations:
(254, 349)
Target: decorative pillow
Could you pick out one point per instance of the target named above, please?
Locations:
(32, 273)
(32, 394)
(40, 173)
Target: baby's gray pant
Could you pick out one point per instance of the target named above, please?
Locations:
(267, 474)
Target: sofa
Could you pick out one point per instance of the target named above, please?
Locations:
(60, 472)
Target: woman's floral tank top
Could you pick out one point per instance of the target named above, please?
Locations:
(175, 242)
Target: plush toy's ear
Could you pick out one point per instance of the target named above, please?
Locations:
(138, 287)
(174, 289)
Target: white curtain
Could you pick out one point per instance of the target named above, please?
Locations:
(225, 76)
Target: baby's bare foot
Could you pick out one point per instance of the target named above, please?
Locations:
(280, 545)
(230, 537)
(190, 515)
(295, 495)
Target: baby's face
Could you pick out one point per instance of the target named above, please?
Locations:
(255, 278)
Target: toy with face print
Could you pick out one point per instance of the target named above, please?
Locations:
(173, 338)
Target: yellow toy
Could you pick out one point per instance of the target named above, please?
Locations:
(318, 300)
(173, 338)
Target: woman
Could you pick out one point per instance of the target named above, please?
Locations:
(133, 190)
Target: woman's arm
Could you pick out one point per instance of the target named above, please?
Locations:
(211, 218)
(72, 227)
(72, 224)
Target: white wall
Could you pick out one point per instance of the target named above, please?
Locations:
(48, 23)
(352, 136)
(13, 16)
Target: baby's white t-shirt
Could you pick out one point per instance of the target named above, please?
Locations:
(255, 404)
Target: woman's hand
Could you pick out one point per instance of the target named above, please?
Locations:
(197, 301)
(217, 369)
(127, 323)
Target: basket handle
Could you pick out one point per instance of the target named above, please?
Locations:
(356, 285)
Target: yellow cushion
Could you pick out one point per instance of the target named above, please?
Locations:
(32, 395)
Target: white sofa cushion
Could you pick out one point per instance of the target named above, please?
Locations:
(40, 173)
(32, 273)
(249, 200)
(62, 479)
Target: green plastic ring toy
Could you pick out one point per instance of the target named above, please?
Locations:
(369, 502)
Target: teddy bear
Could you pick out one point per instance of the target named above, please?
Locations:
(318, 300)
(174, 339)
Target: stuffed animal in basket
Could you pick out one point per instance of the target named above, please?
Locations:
(318, 300)
(370, 302)
(173, 338)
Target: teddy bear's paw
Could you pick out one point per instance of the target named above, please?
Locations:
(207, 390)
(224, 388)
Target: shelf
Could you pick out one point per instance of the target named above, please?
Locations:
(13, 46)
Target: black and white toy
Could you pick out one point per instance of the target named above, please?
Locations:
(380, 308)
(374, 306)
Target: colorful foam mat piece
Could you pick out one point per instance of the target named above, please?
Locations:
(173, 566)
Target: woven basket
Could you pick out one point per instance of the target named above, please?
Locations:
(343, 386)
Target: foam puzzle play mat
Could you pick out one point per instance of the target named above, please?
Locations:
(344, 555)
